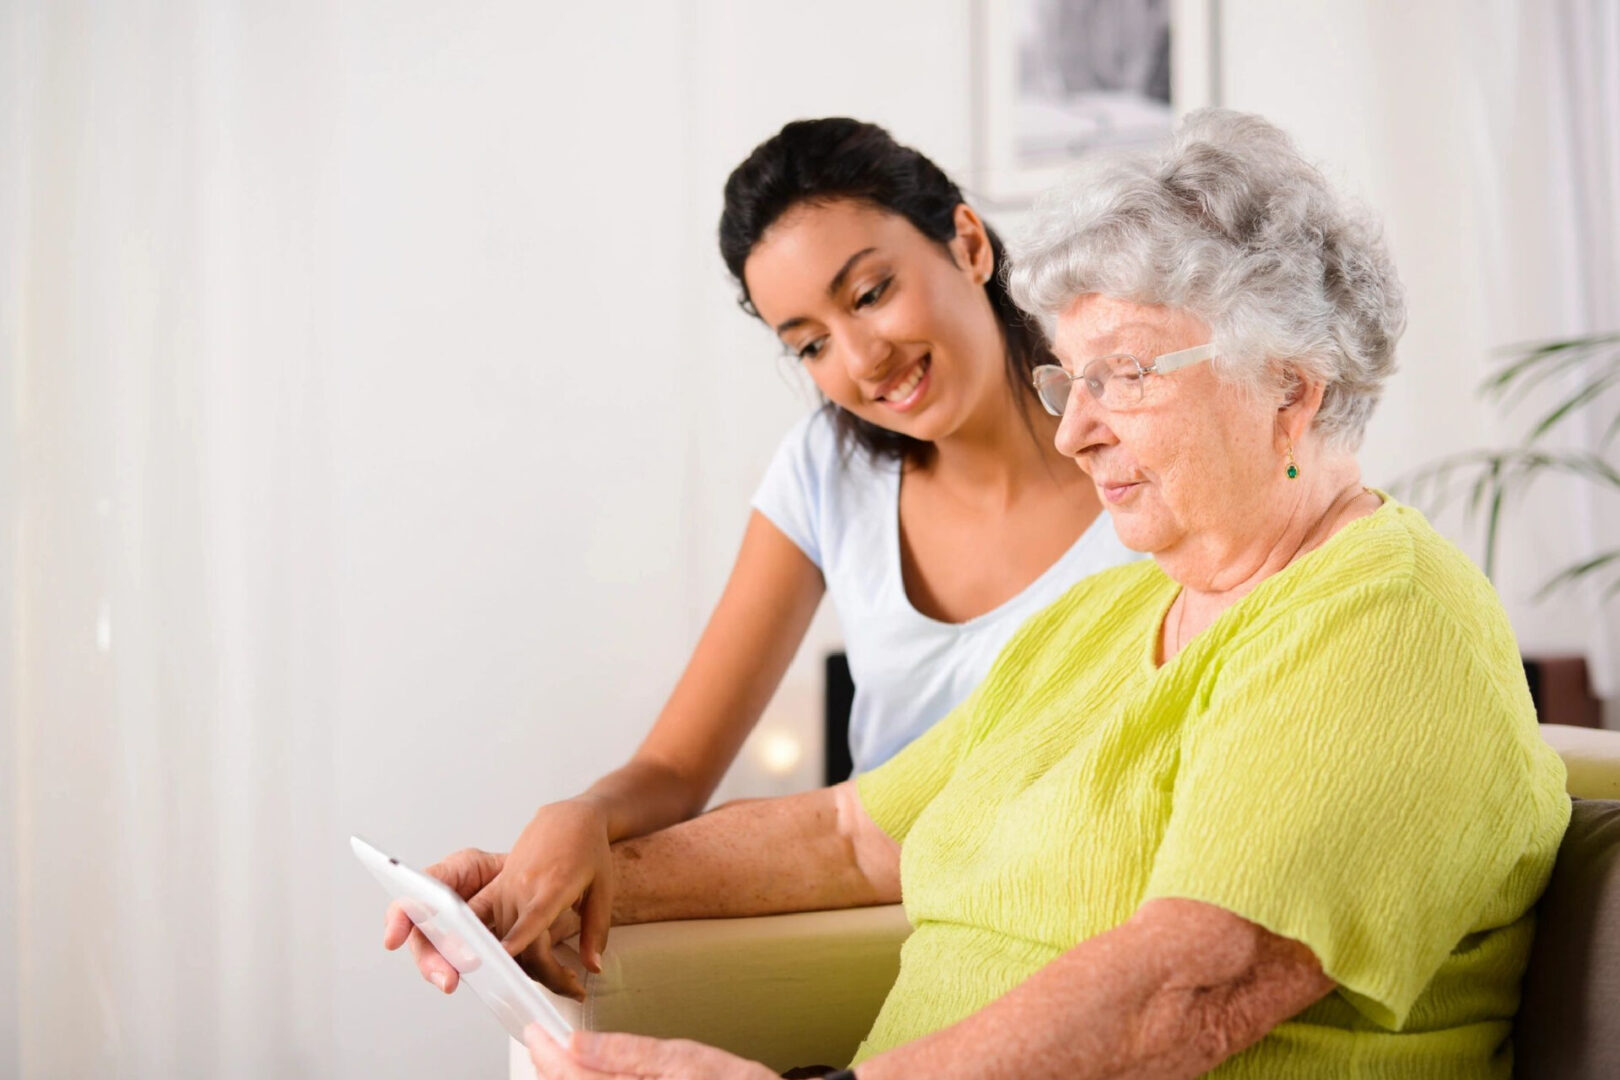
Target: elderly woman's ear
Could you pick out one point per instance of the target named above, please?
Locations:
(1301, 401)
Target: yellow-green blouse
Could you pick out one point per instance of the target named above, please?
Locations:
(1347, 756)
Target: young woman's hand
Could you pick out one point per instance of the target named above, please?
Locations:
(557, 878)
(590, 1056)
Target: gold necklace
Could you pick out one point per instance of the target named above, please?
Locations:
(1181, 623)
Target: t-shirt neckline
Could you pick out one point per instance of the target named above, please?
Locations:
(898, 575)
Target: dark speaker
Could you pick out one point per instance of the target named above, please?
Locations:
(838, 700)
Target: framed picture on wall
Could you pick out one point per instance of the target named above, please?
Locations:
(1058, 79)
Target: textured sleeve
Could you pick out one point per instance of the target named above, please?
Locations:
(1353, 779)
(895, 793)
(791, 495)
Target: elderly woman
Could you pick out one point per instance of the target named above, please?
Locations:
(1272, 803)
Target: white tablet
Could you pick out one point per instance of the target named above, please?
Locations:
(516, 1000)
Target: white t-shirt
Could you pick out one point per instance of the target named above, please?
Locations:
(843, 511)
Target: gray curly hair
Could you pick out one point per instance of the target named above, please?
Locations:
(1231, 224)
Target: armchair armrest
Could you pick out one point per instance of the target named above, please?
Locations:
(1592, 757)
(786, 990)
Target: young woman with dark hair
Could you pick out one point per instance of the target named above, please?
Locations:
(925, 497)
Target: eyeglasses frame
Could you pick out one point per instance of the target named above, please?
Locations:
(1159, 365)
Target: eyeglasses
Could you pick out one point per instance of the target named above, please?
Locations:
(1115, 381)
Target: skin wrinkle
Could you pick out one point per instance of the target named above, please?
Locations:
(1207, 1008)
(1230, 1014)
(1166, 995)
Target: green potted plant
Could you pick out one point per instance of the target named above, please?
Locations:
(1490, 480)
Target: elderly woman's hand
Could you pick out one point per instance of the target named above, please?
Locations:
(592, 1056)
(466, 872)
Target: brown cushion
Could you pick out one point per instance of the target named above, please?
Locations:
(1568, 1026)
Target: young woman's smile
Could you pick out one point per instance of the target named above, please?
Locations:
(903, 392)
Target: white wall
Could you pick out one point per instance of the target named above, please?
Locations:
(11, 217)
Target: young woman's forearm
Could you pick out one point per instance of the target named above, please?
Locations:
(642, 796)
(808, 852)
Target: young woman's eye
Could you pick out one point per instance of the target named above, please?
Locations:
(810, 349)
(874, 294)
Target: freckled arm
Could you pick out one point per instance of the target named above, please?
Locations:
(808, 852)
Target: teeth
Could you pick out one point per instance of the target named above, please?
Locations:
(903, 391)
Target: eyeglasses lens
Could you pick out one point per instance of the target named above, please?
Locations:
(1052, 385)
(1116, 381)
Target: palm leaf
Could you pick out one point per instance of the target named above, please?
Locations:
(1611, 432)
(1488, 481)
(1515, 466)
(1597, 359)
(1589, 390)
(1497, 478)
(1581, 570)
(1543, 362)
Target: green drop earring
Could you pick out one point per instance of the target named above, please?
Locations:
(1293, 469)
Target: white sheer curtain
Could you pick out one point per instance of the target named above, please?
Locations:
(1549, 158)
(166, 552)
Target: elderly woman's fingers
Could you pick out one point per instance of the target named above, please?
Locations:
(468, 870)
(432, 964)
(397, 926)
(398, 930)
(554, 1062)
(651, 1059)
